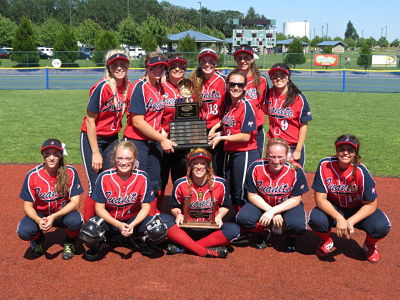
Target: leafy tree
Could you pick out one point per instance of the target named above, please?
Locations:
(213, 32)
(395, 43)
(48, 31)
(280, 36)
(106, 41)
(361, 42)
(351, 32)
(24, 44)
(328, 49)
(295, 55)
(305, 39)
(153, 26)
(371, 42)
(87, 32)
(7, 31)
(142, 9)
(149, 42)
(350, 42)
(365, 58)
(129, 32)
(187, 44)
(180, 27)
(251, 14)
(383, 42)
(65, 46)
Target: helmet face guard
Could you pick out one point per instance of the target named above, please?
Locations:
(93, 232)
(156, 230)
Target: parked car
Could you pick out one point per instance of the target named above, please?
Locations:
(4, 53)
(136, 52)
(86, 52)
(45, 52)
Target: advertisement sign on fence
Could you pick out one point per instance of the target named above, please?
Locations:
(326, 60)
(384, 60)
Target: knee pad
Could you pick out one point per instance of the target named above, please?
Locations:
(93, 232)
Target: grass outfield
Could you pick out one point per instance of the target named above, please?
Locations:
(27, 118)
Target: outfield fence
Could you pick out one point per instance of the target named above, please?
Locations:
(332, 80)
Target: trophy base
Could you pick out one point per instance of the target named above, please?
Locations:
(204, 225)
(189, 134)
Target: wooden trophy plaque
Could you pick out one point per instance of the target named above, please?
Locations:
(187, 130)
(207, 218)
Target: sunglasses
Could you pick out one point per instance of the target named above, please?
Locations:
(240, 85)
(173, 67)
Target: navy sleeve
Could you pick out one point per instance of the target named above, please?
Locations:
(95, 98)
(300, 186)
(249, 184)
(318, 184)
(137, 102)
(76, 187)
(98, 194)
(369, 194)
(306, 112)
(249, 122)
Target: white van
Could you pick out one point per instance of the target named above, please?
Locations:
(136, 52)
(45, 52)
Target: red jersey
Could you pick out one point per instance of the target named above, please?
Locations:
(109, 116)
(275, 188)
(171, 96)
(145, 100)
(213, 94)
(200, 195)
(122, 198)
(40, 188)
(240, 117)
(257, 99)
(285, 122)
(339, 186)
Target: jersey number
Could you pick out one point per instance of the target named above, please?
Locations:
(213, 109)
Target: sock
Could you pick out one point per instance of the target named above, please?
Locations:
(71, 234)
(88, 209)
(179, 236)
(215, 238)
(324, 236)
(369, 241)
(160, 200)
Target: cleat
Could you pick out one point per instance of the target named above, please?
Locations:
(290, 244)
(260, 240)
(36, 248)
(174, 249)
(69, 250)
(92, 254)
(372, 253)
(325, 248)
(217, 252)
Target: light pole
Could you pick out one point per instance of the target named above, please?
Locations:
(326, 29)
(322, 34)
(305, 28)
(199, 2)
(386, 31)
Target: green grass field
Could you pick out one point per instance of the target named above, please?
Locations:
(27, 118)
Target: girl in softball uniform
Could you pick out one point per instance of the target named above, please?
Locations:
(346, 198)
(238, 135)
(103, 121)
(200, 187)
(275, 186)
(256, 88)
(288, 111)
(51, 193)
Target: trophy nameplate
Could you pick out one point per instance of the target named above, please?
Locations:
(187, 130)
(207, 218)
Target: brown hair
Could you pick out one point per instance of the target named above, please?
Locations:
(282, 142)
(357, 157)
(228, 99)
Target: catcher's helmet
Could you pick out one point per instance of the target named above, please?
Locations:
(156, 230)
(93, 232)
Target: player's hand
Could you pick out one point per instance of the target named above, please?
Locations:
(266, 218)
(124, 228)
(350, 229)
(342, 228)
(218, 221)
(296, 155)
(164, 133)
(215, 141)
(277, 221)
(97, 162)
(43, 223)
(179, 219)
(167, 145)
(48, 223)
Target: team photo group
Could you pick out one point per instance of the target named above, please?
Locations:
(243, 186)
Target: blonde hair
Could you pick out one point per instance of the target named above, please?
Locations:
(111, 80)
(284, 144)
(127, 145)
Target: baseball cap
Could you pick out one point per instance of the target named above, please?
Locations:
(345, 139)
(51, 143)
(199, 155)
(176, 59)
(279, 67)
(207, 51)
(116, 56)
(156, 60)
(244, 48)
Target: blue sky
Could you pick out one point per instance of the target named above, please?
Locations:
(370, 18)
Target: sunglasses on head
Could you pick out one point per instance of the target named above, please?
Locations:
(239, 84)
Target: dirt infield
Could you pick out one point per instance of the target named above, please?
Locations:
(246, 273)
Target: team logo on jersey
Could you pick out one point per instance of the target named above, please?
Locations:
(274, 191)
(250, 123)
(228, 121)
(211, 96)
(48, 196)
(169, 101)
(109, 106)
(154, 106)
(251, 94)
(340, 188)
(130, 199)
(280, 113)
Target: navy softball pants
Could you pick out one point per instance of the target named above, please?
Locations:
(28, 228)
(106, 145)
(376, 225)
(294, 219)
(260, 138)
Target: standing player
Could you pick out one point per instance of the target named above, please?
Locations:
(202, 188)
(238, 135)
(172, 162)
(210, 93)
(274, 188)
(144, 119)
(256, 88)
(288, 110)
(51, 193)
(102, 123)
(346, 198)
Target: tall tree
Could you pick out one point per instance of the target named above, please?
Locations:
(351, 32)
(129, 32)
(7, 31)
(47, 32)
(365, 58)
(87, 32)
(65, 46)
(106, 41)
(383, 42)
(295, 55)
(153, 26)
(24, 44)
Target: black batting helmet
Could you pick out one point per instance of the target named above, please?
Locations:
(93, 232)
(156, 230)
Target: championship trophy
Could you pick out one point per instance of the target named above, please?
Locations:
(188, 131)
(191, 217)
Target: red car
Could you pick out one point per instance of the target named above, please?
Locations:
(4, 53)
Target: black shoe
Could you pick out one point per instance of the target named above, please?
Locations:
(290, 244)
(217, 252)
(92, 254)
(260, 240)
(174, 249)
(36, 246)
